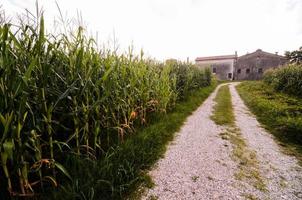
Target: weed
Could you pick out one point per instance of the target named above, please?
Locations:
(195, 178)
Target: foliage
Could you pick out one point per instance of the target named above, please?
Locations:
(294, 57)
(287, 79)
(188, 77)
(123, 168)
(279, 112)
(61, 97)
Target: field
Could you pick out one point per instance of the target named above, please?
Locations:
(81, 121)
(74, 116)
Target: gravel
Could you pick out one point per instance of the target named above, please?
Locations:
(282, 173)
(198, 164)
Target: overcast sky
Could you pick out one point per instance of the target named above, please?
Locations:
(184, 28)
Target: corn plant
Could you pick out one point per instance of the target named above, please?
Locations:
(287, 79)
(60, 94)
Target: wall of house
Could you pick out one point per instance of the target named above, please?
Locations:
(252, 66)
(223, 67)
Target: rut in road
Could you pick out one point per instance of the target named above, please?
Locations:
(199, 164)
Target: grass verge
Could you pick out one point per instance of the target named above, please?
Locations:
(123, 169)
(248, 164)
(223, 112)
(279, 113)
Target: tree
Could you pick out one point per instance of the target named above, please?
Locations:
(294, 56)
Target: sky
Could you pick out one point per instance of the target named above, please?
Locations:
(181, 28)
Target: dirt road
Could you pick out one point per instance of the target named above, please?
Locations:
(199, 163)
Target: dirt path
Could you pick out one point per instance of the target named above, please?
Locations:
(198, 164)
(282, 174)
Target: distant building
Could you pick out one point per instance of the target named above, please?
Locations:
(222, 66)
(247, 67)
(252, 66)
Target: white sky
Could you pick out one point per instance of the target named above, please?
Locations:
(184, 28)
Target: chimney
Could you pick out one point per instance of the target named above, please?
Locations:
(236, 54)
(276, 52)
(188, 60)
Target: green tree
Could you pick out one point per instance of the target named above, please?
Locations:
(294, 56)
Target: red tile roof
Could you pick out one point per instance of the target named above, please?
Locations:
(215, 58)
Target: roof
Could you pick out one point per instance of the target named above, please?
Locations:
(259, 52)
(224, 57)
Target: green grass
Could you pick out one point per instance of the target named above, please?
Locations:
(248, 167)
(279, 113)
(119, 174)
(223, 111)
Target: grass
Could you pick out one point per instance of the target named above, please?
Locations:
(124, 168)
(250, 197)
(223, 112)
(279, 113)
(248, 169)
(248, 163)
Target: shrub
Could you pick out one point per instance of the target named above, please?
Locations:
(286, 79)
(279, 112)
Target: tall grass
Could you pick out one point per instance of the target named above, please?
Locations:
(61, 97)
(286, 79)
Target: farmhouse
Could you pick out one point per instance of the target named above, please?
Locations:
(247, 67)
(222, 66)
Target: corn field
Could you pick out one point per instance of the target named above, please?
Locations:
(287, 79)
(61, 95)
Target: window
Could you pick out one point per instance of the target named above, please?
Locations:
(214, 69)
(238, 71)
(229, 75)
(260, 71)
(248, 70)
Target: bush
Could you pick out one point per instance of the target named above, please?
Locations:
(279, 112)
(286, 79)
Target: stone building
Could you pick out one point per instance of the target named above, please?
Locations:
(222, 66)
(247, 67)
(252, 66)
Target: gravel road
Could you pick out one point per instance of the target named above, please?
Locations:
(282, 173)
(198, 164)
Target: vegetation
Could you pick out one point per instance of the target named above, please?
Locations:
(286, 79)
(123, 168)
(223, 111)
(223, 114)
(294, 57)
(70, 113)
(278, 112)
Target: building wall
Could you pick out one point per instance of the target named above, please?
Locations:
(252, 66)
(222, 67)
